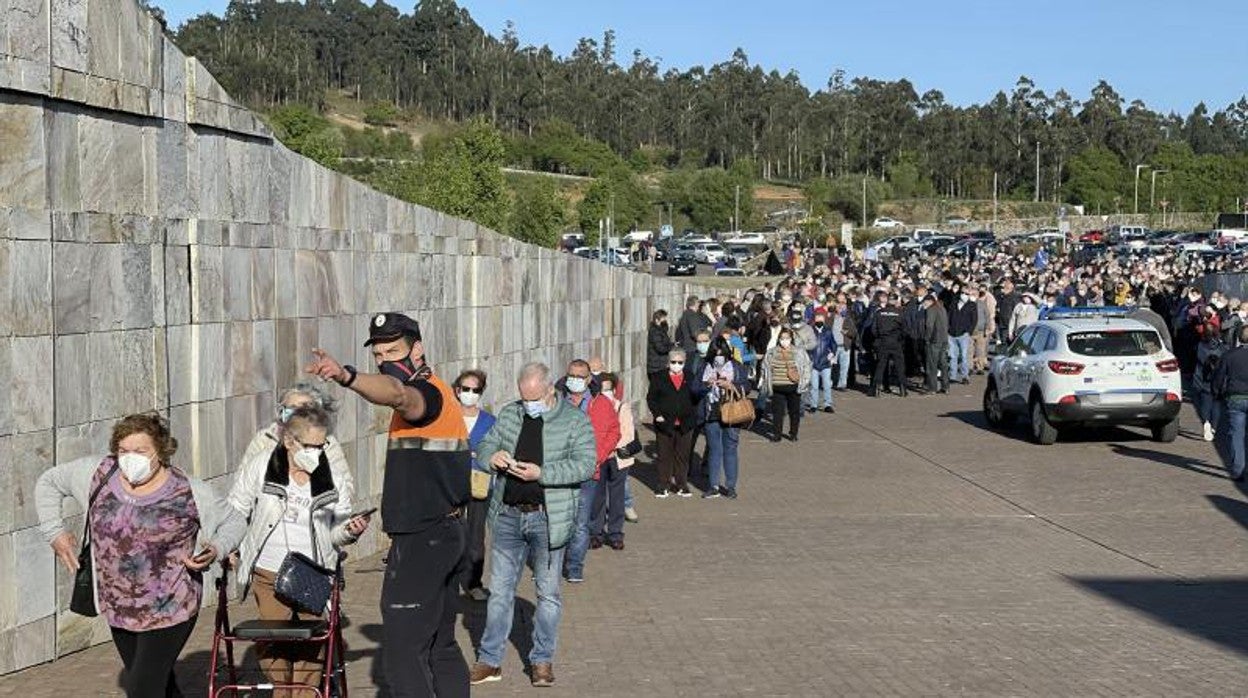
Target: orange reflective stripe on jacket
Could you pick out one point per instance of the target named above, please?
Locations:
(439, 435)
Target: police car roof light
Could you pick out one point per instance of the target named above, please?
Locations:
(1084, 312)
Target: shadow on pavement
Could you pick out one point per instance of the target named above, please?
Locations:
(474, 617)
(1173, 460)
(1212, 608)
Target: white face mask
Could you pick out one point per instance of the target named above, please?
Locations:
(786, 342)
(308, 459)
(135, 467)
(469, 399)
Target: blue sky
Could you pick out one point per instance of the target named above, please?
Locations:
(1169, 54)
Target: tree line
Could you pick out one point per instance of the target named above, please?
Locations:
(438, 62)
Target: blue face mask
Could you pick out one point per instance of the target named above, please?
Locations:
(535, 408)
(576, 384)
(284, 413)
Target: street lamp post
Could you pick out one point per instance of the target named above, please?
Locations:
(1152, 189)
(1137, 186)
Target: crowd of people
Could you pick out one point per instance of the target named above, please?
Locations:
(547, 475)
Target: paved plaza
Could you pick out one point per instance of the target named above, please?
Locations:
(899, 549)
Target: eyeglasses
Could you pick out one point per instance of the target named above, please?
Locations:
(318, 447)
(467, 389)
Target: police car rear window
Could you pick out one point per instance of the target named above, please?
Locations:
(1114, 343)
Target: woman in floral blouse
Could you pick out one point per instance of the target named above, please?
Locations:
(153, 531)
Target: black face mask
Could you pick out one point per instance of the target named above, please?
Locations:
(404, 369)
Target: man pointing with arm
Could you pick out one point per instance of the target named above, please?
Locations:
(425, 492)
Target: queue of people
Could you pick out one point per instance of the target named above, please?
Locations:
(545, 480)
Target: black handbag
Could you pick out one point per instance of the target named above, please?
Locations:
(303, 584)
(82, 601)
(629, 449)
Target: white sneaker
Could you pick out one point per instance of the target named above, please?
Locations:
(664, 494)
(1208, 431)
(630, 515)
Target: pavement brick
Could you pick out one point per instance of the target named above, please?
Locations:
(900, 548)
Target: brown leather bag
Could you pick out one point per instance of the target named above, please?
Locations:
(735, 409)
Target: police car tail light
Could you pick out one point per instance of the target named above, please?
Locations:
(1065, 368)
(1168, 366)
(1173, 397)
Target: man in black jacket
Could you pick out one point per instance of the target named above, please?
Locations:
(692, 321)
(962, 318)
(1006, 300)
(658, 343)
(889, 334)
(936, 344)
(912, 320)
(1230, 384)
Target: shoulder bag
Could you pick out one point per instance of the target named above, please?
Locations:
(303, 584)
(734, 408)
(82, 601)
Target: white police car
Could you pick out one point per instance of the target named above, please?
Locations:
(1086, 367)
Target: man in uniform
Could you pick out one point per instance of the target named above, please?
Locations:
(889, 345)
(426, 491)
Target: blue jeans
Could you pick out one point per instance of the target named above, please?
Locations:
(518, 537)
(820, 381)
(628, 493)
(960, 357)
(608, 513)
(1207, 408)
(842, 365)
(580, 535)
(721, 442)
(1230, 435)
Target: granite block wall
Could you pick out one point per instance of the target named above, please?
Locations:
(160, 250)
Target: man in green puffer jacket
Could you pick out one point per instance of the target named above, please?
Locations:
(543, 447)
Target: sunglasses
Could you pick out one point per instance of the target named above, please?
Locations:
(466, 389)
(676, 363)
(318, 447)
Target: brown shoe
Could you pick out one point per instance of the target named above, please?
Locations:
(484, 673)
(543, 675)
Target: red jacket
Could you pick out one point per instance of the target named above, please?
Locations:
(606, 425)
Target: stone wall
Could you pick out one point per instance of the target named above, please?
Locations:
(159, 249)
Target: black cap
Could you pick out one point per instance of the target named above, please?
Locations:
(387, 327)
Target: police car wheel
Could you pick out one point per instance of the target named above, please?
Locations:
(1166, 432)
(994, 412)
(1042, 432)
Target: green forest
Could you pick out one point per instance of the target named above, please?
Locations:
(656, 138)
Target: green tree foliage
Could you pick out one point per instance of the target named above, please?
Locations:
(381, 113)
(618, 191)
(1097, 179)
(307, 133)
(540, 212)
(598, 106)
(460, 175)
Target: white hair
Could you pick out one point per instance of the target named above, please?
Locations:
(535, 370)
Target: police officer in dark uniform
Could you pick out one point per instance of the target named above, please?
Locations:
(424, 497)
(889, 332)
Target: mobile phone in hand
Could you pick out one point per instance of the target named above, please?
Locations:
(202, 554)
(366, 512)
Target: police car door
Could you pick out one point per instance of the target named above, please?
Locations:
(1015, 363)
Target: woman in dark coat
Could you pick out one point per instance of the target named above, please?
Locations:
(672, 404)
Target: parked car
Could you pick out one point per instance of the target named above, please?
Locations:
(1083, 367)
(708, 252)
(1092, 236)
(887, 223)
(682, 264)
(963, 247)
(935, 243)
(740, 253)
(587, 252)
(982, 235)
(730, 271)
(923, 233)
(747, 239)
(885, 246)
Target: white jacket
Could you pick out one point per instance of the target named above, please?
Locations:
(259, 493)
